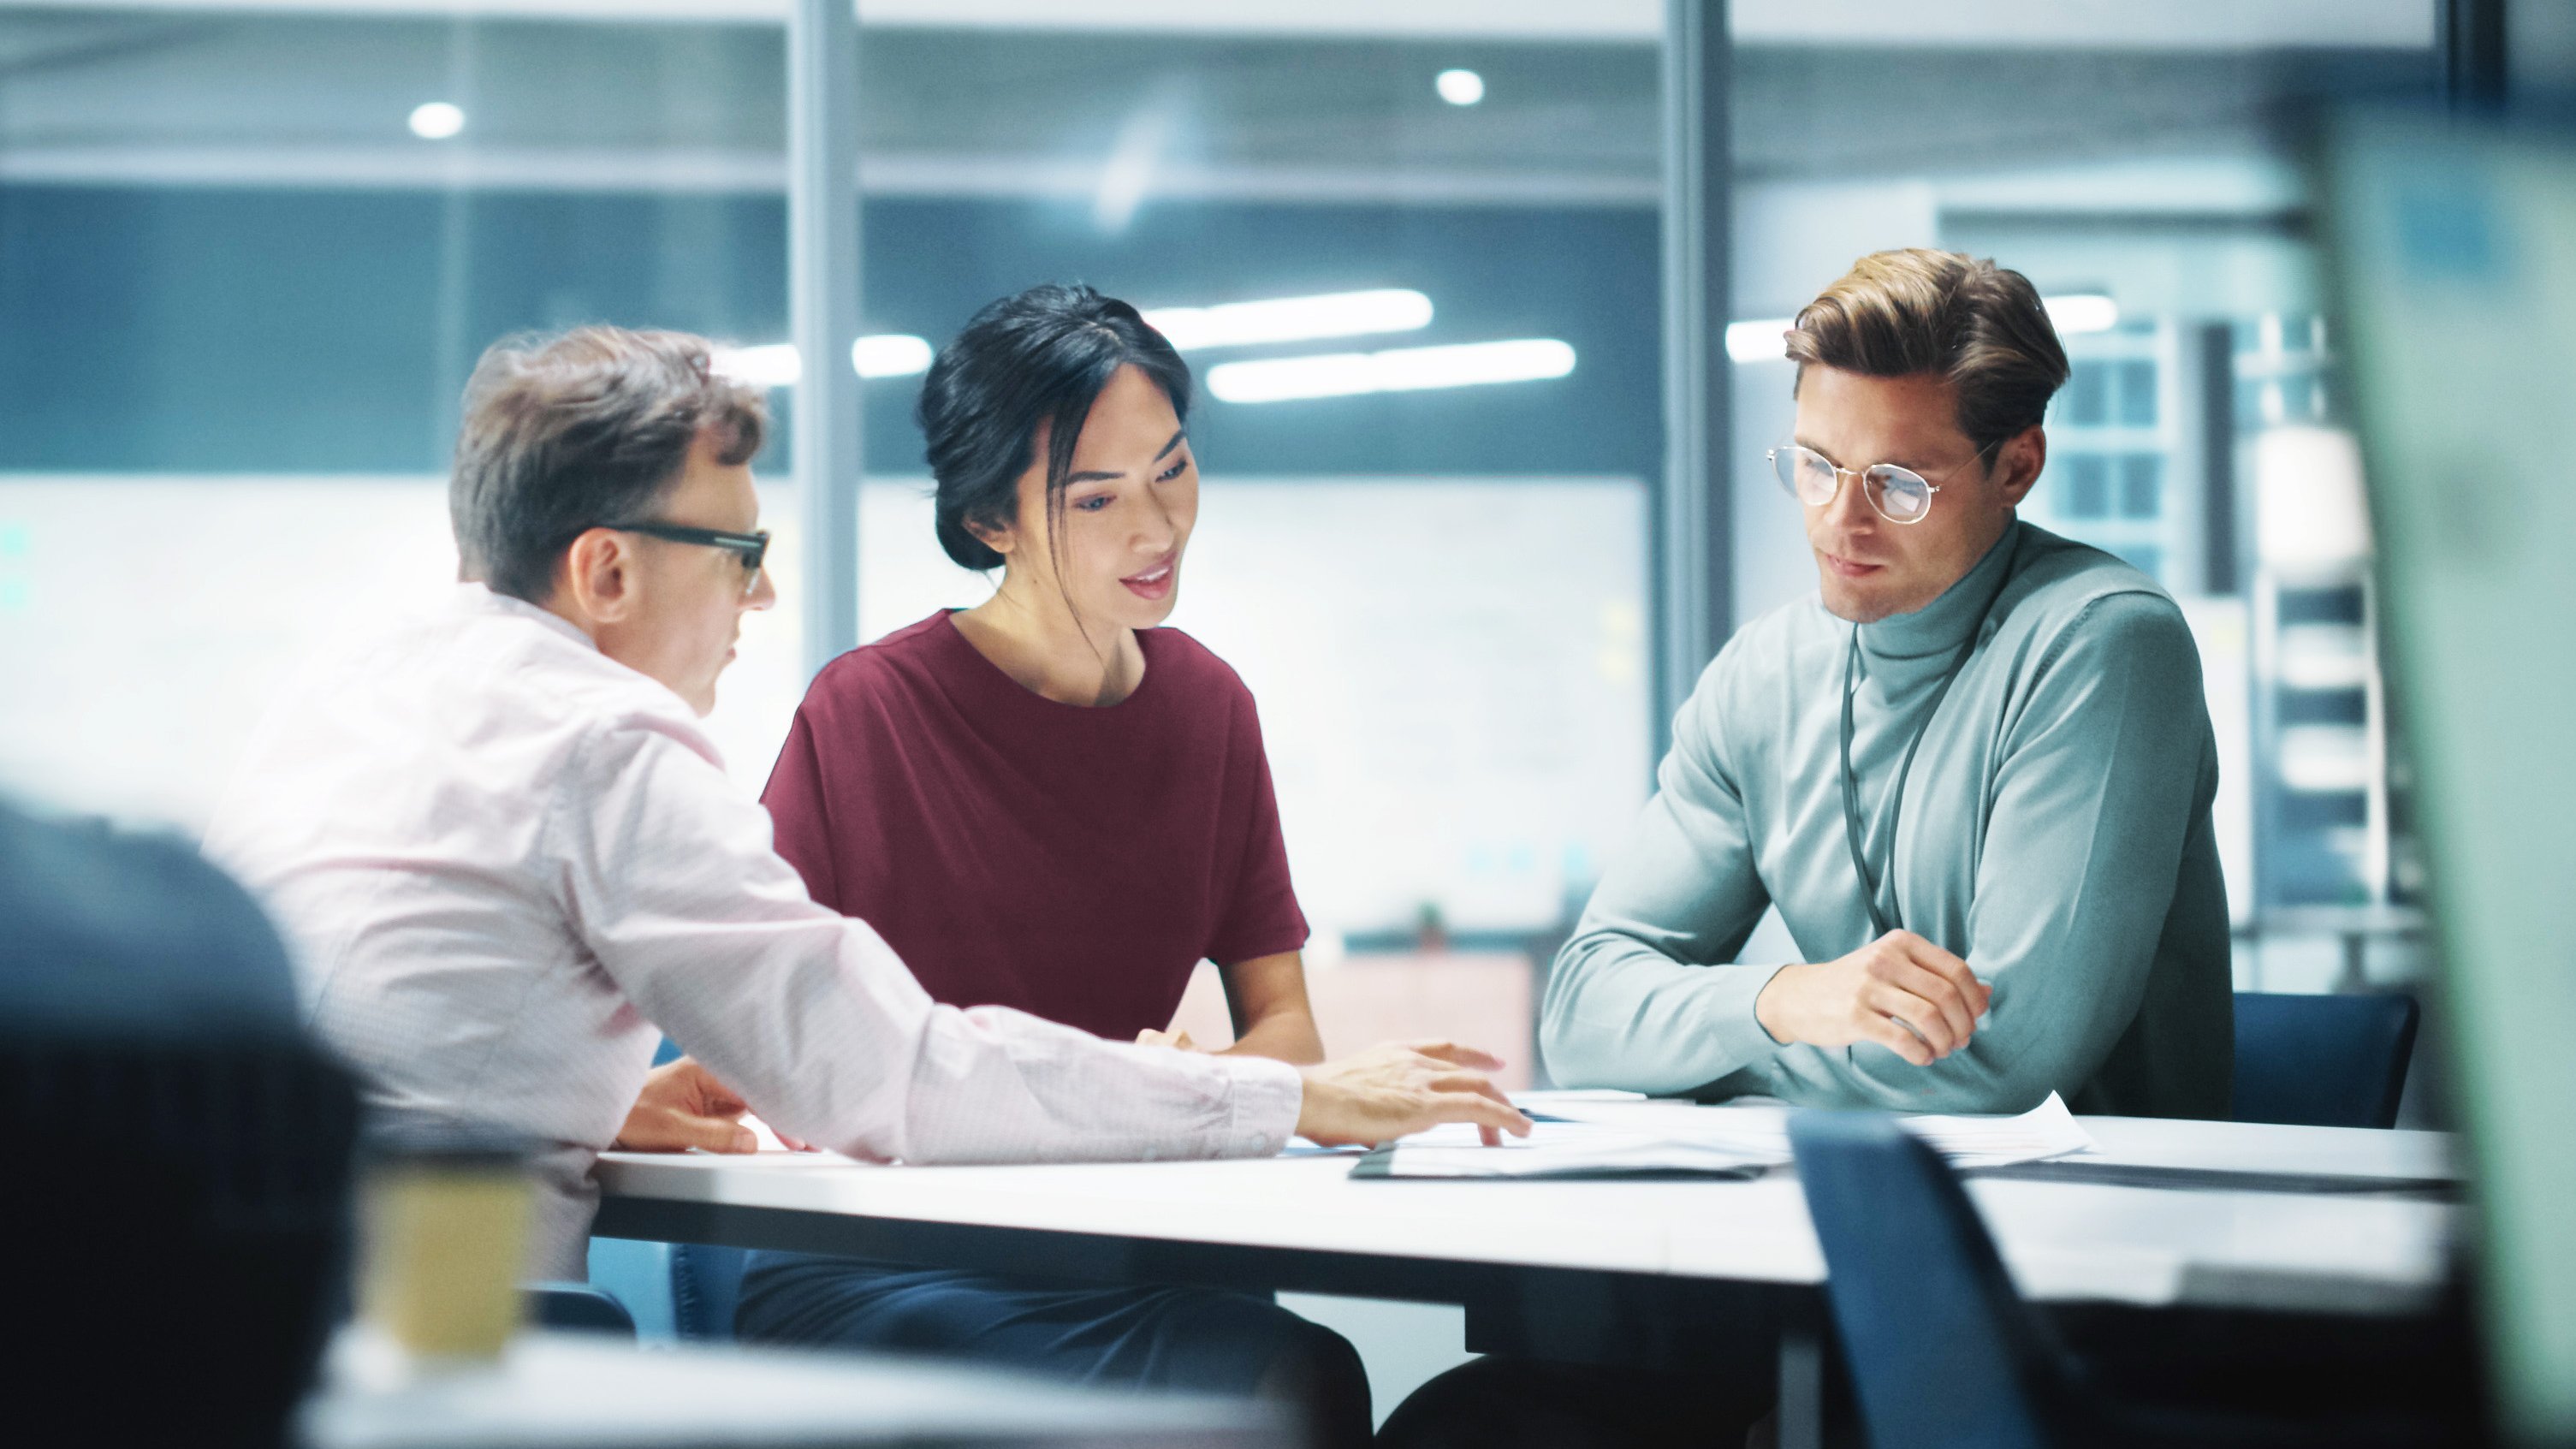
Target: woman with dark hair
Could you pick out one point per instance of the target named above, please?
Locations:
(1050, 802)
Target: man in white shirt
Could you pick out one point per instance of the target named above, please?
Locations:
(510, 859)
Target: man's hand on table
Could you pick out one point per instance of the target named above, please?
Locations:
(684, 1106)
(1398, 1089)
(1900, 991)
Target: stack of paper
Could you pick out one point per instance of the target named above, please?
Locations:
(1613, 1139)
(2045, 1131)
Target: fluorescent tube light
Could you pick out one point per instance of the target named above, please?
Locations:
(775, 365)
(1293, 319)
(2082, 312)
(883, 354)
(1403, 369)
(1756, 341)
(890, 354)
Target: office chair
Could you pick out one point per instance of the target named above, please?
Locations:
(577, 1308)
(1943, 1352)
(178, 1215)
(183, 1246)
(2322, 1061)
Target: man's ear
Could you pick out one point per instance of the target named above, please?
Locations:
(2018, 464)
(598, 575)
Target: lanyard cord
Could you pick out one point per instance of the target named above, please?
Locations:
(1892, 916)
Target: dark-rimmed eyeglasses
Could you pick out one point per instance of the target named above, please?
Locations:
(751, 548)
(1900, 495)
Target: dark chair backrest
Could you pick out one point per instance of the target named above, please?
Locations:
(577, 1308)
(178, 1225)
(181, 1236)
(2322, 1061)
(1942, 1350)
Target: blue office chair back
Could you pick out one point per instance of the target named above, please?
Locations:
(2322, 1061)
(1941, 1348)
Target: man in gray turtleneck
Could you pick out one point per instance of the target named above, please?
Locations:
(1974, 772)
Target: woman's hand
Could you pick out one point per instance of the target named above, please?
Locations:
(1399, 1089)
(1176, 1040)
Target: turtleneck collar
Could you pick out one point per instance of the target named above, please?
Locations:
(1941, 626)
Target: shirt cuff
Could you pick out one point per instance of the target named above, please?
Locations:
(1267, 1097)
(1739, 1034)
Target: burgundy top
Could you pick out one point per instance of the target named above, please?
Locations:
(1073, 862)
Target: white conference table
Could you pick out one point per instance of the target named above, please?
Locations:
(2247, 1217)
(587, 1391)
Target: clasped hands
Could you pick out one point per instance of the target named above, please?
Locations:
(1900, 991)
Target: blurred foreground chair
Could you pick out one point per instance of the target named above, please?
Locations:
(178, 1211)
(2322, 1061)
(1943, 1352)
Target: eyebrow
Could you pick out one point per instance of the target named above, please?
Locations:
(1073, 478)
(1907, 464)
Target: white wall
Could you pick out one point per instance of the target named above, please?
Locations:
(1451, 672)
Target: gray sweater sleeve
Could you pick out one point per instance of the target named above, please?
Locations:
(2101, 776)
(1637, 998)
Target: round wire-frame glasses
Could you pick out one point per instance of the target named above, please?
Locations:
(1900, 495)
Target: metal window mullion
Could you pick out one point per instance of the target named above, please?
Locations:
(1693, 566)
(823, 306)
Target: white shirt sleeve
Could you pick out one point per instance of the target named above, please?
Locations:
(667, 874)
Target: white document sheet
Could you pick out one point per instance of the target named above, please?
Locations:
(2045, 1131)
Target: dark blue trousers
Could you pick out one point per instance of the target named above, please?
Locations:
(1200, 1339)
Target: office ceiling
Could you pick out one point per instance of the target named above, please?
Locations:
(225, 97)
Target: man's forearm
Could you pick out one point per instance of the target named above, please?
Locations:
(1621, 1014)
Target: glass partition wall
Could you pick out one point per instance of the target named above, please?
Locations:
(2140, 168)
(247, 257)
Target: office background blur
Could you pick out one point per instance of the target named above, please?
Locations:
(249, 253)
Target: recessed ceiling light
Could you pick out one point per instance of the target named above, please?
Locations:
(1460, 87)
(436, 121)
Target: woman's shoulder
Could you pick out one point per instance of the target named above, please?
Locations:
(907, 655)
(1192, 666)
